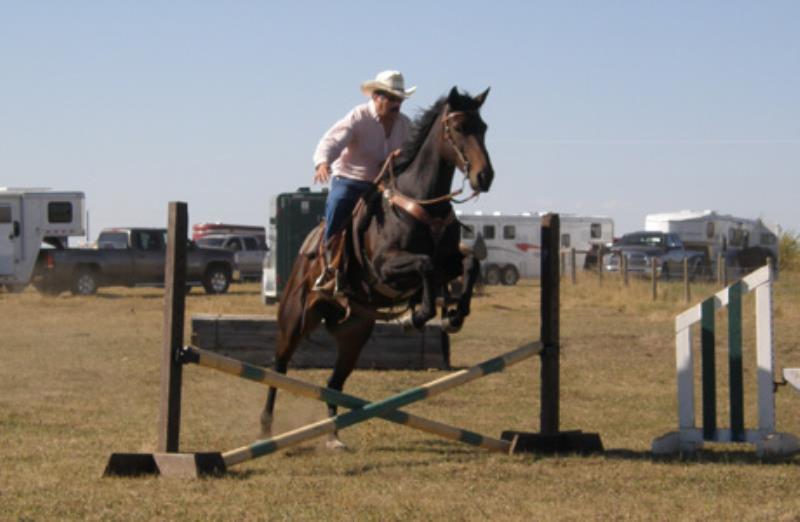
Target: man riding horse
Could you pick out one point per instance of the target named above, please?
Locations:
(401, 245)
(351, 153)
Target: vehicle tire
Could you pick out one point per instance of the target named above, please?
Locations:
(510, 275)
(217, 280)
(15, 288)
(84, 282)
(492, 275)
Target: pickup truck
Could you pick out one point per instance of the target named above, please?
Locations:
(128, 257)
(248, 252)
(666, 250)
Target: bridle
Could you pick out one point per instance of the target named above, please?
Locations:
(461, 158)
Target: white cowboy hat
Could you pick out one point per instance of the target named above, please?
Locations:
(389, 81)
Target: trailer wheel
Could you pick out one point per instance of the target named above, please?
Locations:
(510, 275)
(493, 275)
(217, 280)
(85, 282)
(15, 288)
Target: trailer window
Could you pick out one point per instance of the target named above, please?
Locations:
(467, 232)
(595, 231)
(565, 241)
(737, 237)
(5, 214)
(509, 232)
(59, 212)
(488, 231)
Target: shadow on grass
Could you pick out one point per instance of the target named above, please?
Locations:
(743, 456)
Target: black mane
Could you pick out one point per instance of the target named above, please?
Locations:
(420, 129)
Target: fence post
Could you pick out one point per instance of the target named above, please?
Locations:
(686, 291)
(725, 271)
(654, 275)
(623, 263)
(169, 422)
(600, 266)
(573, 269)
(563, 257)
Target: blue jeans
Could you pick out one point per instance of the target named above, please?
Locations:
(342, 198)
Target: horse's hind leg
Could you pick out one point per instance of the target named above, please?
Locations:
(292, 327)
(351, 337)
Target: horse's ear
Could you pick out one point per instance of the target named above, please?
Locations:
(453, 98)
(482, 97)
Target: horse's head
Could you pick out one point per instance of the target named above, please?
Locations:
(463, 138)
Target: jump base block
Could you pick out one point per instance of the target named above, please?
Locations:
(177, 465)
(555, 443)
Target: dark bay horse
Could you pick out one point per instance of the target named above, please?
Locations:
(402, 245)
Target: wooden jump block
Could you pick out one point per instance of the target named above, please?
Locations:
(173, 465)
(792, 376)
(252, 338)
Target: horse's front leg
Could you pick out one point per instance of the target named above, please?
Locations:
(402, 265)
(454, 319)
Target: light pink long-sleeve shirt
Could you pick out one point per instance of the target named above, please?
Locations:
(356, 146)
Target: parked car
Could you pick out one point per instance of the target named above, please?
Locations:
(128, 257)
(248, 252)
(642, 249)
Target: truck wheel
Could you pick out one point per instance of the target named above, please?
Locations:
(84, 283)
(510, 275)
(217, 280)
(15, 288)
(492, 275)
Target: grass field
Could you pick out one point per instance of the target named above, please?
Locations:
(79, 379)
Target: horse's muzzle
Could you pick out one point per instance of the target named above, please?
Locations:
(484, 179)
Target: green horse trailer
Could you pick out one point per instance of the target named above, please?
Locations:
(292, 215)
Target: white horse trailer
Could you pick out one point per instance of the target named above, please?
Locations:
(513, 242)
(29, 216)
(745, 243)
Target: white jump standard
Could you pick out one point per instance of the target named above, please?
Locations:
(690, 438)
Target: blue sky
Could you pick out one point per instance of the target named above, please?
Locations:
(618, 108)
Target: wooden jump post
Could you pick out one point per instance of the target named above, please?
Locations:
(170, 462)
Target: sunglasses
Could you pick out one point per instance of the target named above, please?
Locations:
(391, 97)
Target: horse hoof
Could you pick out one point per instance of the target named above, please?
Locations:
(451, 326)
(335, 445)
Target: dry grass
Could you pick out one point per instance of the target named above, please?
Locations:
(79, 380)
